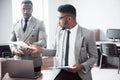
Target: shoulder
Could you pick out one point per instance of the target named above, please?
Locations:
(37, 20)
(88, 35)
(16, 23)
(85, 31)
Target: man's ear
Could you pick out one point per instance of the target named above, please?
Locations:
(68, 18)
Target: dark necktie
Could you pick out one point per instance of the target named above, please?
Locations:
(67, 49)
(25, 25)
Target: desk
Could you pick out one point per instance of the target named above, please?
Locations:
(3, 67)
(99, 42)
(47, 74)
(6, 77)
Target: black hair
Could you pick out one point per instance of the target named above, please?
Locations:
(67, 8)
(27, 2)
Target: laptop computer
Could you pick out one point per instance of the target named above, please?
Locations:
(21, 69)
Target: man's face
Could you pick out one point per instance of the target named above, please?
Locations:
(27, 10)
(63, 21)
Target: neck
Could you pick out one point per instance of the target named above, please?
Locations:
(73, 25)
(27, 18)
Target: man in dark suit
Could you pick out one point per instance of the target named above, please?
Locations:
(74, 46)
(28, 29)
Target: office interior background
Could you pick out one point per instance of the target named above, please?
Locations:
(91, 14)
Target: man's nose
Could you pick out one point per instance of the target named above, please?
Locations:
(25, 11)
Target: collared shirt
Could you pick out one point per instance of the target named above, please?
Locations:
(73, 33)
(62, 46)
(23, 21)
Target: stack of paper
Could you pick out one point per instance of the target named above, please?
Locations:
(21, 44)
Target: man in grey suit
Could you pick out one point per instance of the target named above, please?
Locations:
(29, 30)
(74, 46)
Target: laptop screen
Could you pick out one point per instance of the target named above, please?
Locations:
(20, 68)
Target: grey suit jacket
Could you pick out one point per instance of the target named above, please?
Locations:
(85, 51)
(35, 33)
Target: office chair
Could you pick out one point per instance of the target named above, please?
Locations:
(6, 53)
(109, 50)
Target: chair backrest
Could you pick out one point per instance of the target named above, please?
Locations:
(108, 49)
(6, 53)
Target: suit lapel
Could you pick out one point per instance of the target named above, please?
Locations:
(29, 29)
(78, 43)
(20, 30)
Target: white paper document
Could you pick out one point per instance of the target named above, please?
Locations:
(21, 44)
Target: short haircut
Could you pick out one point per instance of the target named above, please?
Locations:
(27, 2)
(67, 8)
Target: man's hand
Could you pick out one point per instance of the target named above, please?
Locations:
(76, 68)
(34, 49)
(18, 53)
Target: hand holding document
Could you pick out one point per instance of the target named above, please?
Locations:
(63, 67)
(30, 48)
(21, 44)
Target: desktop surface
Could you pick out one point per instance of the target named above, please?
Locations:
(99, 42)
(47, 74)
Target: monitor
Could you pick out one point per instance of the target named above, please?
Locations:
(113, 34)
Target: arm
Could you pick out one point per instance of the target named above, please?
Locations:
(12, 39)
(88, 54)
(14, 48)
(91, 50)
(45, 52)
(41, 35)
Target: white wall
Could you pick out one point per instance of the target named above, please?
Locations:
(5, 20)
(50, 17)
(93, 14)
(98, 14)
(101, 14)
(53, 19)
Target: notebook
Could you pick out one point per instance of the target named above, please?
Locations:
(21, 69)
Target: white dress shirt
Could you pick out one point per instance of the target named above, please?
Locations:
(71, 58)
(23, 21)
(62, 47)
